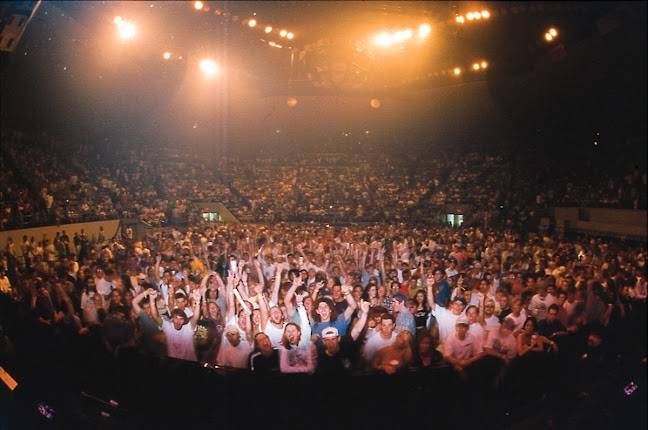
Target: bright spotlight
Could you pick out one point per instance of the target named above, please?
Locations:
(383, 39)
(252, 22)
(125, 29)
(198, 5)
(477, 15)
(283, 33)
(484, 64)
(290, 35)
(399, 36)
(548, 37)
(375, 103)
(553, 32)
(268, 29)
(476, 66)
(470, 16)
(457, 71)
(166, 55)
(117, 20)
(460, 19)
(485, 14)
(209, 68)
(424, 30)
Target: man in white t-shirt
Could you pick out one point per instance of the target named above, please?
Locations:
(541, 302)
(501, 342)
(446, 318)
(234, 351)
(461, 348)
(179, 330)
(274, 327)
(381, 338)
(104, 287)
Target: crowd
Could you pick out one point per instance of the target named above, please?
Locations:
(310, 298)
(160, 187)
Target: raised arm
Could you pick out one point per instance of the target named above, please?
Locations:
(274, 294)
(352, 305)
(158, 259)
(154, 311)
(359, 325)
(429, 288)
(137, 299)
(196, 308)
(290, 309)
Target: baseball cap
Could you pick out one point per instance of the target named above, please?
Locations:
(330, 333)
(462, 320)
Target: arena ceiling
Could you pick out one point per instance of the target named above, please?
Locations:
(69, 75)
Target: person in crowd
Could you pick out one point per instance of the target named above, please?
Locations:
(461, 348)
(179, 329)
(501, 343)
(529, 340)
(384, 336)
(425, 353)
(264, 359)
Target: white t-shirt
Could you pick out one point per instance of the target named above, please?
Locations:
(180, 343)
(275, 334)
(446, 319)
(491, 323)
(104, 287)
(477, 330)
(376, 342)
(539, 306)
(519, 321)
(461, 349)
(504, 345)
(233, 356)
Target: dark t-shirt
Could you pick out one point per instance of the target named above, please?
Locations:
(340, 363)
(259, 363)
(547, 329)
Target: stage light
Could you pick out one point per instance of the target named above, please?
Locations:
(283, 33)
(476, 66)
(399, 36)
(553, 32)
(484, 64)
(125, 29)
(274, 45)
(291, 102)
(477, 15)
(424, 30)
(209, 68)
(383, 39)
(460, 19)
(548, 37)
(485, 14)
(198, 5)
(166, 55)
(470, 16)
(268, 29)
(375, 103)
(456, 71)
(252, 22)
(290, 36)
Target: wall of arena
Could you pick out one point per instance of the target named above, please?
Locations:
(617, 222)
(90, 228)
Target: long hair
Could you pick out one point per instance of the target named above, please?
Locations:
(284, 339)
(331, 306)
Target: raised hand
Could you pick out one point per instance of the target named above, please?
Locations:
(364, 306)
